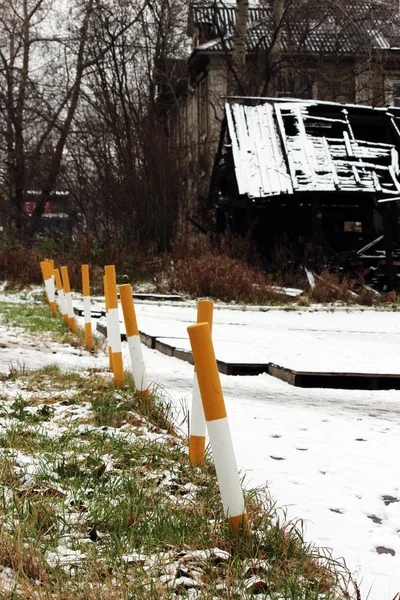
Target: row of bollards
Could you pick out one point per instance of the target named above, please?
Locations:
(208, 406)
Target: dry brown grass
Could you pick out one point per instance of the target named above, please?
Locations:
(20, 266)
(23, 559)
(228, 271)
(329, 287)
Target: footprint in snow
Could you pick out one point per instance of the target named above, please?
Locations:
(375, 519)
(384, 550)
(388, 499)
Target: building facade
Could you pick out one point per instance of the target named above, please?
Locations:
(342, 51)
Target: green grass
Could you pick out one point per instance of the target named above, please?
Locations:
(94, 471)
(116, 481)
(35, 318)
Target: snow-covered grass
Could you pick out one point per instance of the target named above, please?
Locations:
(97, 499)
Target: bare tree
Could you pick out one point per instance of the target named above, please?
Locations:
(18, 24)
(121, 168)
(46, 52)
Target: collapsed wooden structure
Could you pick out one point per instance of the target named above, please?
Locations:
(314, 174)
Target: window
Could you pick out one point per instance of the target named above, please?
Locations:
(293, 85)
(353, 226)
(392, 90)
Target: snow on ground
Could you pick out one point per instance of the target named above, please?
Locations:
(297, 339)
(16, 350)
(328, 456)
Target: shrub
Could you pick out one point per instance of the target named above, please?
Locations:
(20, 266)
(200, 268)
(329, 287)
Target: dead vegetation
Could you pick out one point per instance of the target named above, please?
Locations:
(228, 268)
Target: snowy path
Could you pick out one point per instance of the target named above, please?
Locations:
(329, 456)
(353, 342)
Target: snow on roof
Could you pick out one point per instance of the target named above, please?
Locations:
(259, 159)
(287, 147)
(351, 28)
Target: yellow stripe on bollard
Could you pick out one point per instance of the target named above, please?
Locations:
(108, 322)
(48, 278)
(133, 338)
(131, 326)
(205, 310)
(65, 280)
(197, 439)
(68, 298)
(207, 372)
(86, 306)
(44, 269)
(115, 334)
(218, 426)
(61, 297)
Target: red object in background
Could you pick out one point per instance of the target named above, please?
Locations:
(29, 207)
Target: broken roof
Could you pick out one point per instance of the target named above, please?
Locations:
(284, 147)
(354, 27)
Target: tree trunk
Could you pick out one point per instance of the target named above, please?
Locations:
(239, 47)
(273, 59)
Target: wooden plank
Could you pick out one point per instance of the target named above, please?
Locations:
(282, 373)
(164, 348)
(241, 369)
(223, 367)
(356, 381)
(282, 133)
(95, 314)
(101, 328)
(158, 297)
(328, 155)
(147, 340)
(347, 143)
(185, 355)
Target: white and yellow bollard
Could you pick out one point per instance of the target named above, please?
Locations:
(61, 298)
(108, 322)
(218, 426)
(50, 264)
(197, 438)
(114, 334)
(48, 279)
(133, 338)
(68, 298)
(87, 312)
